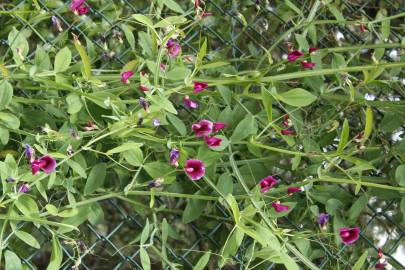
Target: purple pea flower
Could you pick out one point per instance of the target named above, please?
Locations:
(144, 103)
(294, 55)
(267, 183)
(174, 157)
(24, 188)
(190, 104)
(56, 23)
(173, 48)
(156, 122)
(203, 128)
(195, 169)
(349, 235)
(279, 208)
(45, 163)
(323, 220)
(29, 153)
(125, 76)
(200, 86)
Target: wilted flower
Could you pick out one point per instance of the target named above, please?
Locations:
(292, 190)
(323, 220)
(173, 48)
(381, 260)
(29, 153)
(78, 7)
(200, 86)
(287, 121)
(206, 14)
(196, 4)
(143, 88)
(203, 128)
(24, 188)
(294, 55)
(278, 207)
(288, 132)
(349, 235)
(213, 141)
(218, 126)
(156, 183)
(69, 150)
(307, 64)
(312, 49)
(144, 103)
(90, 126)
(125, 76)
(156, 122)
(195, 169)
(174, 157)
(10, 179)
(267, 183)
(73, 132)
(56, 23)
(190, 104)
(45, 163)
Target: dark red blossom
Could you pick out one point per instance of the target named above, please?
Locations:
(288, 132)
(312, 49)
(294, 55)
(267, 183)
(200, 86)
(292, 190)
(307, 64)
(349, 235)
(195, 169)
(213, 141)
(218, 126)
(203, 128)
(45, 163)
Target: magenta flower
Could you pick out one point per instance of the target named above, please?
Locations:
(78, 7)
(213, 141)
(200, 86)
(349, 235)
(126, 75)
(195, 169)
(203, 128)
(174, 157)
(294, 55)
(24, 188)
(29, 153)
(206, 14)
(190, 104)
(323, 220)
(307, 64)
(218, 126)
(45, 163)
(288, 132)
(267, 183)
(278, 207)
(292, 190)
(313, 49)
(173, 48)
(380, 265)
(287, 121)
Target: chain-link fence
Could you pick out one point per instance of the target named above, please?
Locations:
(242, 30)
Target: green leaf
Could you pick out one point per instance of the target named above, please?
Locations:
(129, 35)
(85, 59)
(234, 207)
(400, 175)
(124, 147)
(42, 60)
(145, 260)
(17, 40)
(6, 94)
(289, 263)
(178, 74)
(172, 20)
(74, 103)
(344, 136)
(193, 210)
(336, 12)
(163, 103)
(28, 239)
(297, 97)
(171, 4)
(96, 178)
(333, 205)
(77, 168)
(302, 42)
(369, 123)
(357, 207)
(62, 60)
(360, 262)
(145, 233)
(56, 256)
(134, 156)
(178, 124)
(12, 262)
(225, 184)
(143, 19)
(245, 128)
(267, 100)
(202, 262)
(4, 135)
(27, 205)
(9, 120)
(201, 55)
